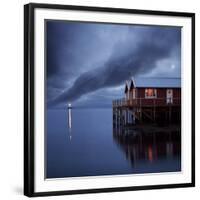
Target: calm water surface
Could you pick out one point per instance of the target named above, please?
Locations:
(90, 146)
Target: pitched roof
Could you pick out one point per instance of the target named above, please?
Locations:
(126, 88)
(156, 82)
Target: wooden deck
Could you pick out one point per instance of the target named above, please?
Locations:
(141, 110)
(145, 102)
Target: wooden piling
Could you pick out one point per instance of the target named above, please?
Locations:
(144, 110)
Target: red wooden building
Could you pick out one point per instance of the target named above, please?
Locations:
(149, 99)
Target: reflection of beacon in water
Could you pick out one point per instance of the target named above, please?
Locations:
(70, 120)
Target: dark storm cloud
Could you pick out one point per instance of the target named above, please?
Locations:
(124, 51)
(72, 47)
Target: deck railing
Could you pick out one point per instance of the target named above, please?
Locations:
(142, 102)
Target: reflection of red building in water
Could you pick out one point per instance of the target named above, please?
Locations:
(149, 100)
(149, 148)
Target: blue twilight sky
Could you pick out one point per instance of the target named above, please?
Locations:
(88, 63)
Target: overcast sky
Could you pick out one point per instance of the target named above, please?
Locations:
(88, 63)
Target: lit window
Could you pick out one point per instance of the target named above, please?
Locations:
(150, 93)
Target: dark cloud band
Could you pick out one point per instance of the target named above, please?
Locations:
(137, 53)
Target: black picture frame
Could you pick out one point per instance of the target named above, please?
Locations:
(29, 113)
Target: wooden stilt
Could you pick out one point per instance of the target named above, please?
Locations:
(143, 110)
(170, 114)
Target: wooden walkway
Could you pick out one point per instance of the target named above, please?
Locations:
(145, 102)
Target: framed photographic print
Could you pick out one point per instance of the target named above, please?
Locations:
(108, 99)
